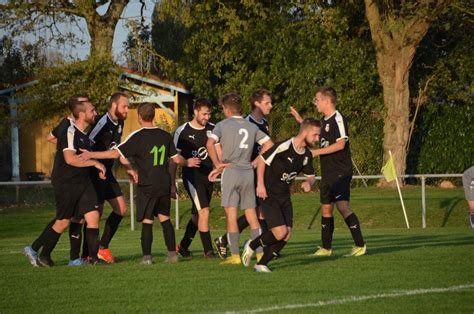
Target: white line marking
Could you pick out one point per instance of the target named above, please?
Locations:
(351, 299)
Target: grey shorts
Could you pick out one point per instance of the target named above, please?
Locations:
(468, 183)
(238, 188)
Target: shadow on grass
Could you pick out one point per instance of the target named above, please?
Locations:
(449, 205)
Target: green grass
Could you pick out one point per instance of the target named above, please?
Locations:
(440, 256)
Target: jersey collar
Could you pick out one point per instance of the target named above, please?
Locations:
(111, 120)
(294, 147)
(191, 126)
(327, 118)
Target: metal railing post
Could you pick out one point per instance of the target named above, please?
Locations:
(423, 202)
(132, 208)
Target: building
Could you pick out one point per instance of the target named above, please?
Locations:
(27, 155)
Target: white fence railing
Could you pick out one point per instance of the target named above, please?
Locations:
(422, 177)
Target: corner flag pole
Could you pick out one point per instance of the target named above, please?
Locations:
(401, 198)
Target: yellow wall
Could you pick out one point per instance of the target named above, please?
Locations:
(37, 155)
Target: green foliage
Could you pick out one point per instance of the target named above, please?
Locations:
(97, 77)
(443, 140)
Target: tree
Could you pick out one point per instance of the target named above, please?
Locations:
(397, 27)
(22, 15)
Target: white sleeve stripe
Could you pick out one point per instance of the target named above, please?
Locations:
(128, 137)
(177, 133)
(264, 140)
(99, 126)
(67, 148)
(70, 137)
(175, 155)
(341, 138)
(309, 175)
(120, 152)
(340, 125)
(281, 148)
(215, 137)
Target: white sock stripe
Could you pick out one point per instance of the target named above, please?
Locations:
(351, 299)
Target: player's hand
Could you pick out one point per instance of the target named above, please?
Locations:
(193, 162)
(261, 191)
(296, 114)
(85, 155)
(255, 163)
(174, 191)
(220, 167)
(101, 169)
(132, 176)
(306, 186)
(213, 175)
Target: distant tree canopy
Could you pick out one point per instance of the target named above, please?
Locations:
(292, 47)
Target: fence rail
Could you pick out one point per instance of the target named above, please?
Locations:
(422, 177)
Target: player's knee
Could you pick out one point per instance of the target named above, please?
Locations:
(147, 221)
(92, 219)
(61, 225)
(280, 233)
(203, 213)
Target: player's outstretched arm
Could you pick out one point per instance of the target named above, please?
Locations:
(107, 154)
(51, 138)
(172, 168)
(261, 190)
(132, 173)
(339, 145)
(296, 115)
(72, 159)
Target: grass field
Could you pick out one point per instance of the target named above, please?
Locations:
(416, 270)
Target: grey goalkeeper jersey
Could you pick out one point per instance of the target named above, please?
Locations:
(237, 137)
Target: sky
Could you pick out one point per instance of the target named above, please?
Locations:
(132, 11)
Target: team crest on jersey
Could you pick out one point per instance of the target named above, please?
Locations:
(305, 161)
(327, 128)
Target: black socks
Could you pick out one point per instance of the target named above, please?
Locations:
(75, 239)
(111, 226)
(353, 223)
(147, 238)
(189, 234)
(169, 235)
(327, 229)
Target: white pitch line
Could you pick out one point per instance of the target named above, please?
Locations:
(350, 299)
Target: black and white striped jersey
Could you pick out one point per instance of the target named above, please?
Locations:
(262, 126)
(73, 139)
(105, 135)
(283, 165)
(333, 129)
(191, 142)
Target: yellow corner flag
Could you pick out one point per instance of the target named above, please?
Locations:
(388, 170)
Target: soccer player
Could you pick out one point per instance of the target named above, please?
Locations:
(75, 232)
(468, 184)
(150, 147)
(276, 169)
(237, 137)
(261, 101)
(336, 173)
(190, 140)
(74, 193)
(105, 135)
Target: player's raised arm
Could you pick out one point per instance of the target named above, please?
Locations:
(296, 114)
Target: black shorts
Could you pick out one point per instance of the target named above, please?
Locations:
(106, 189)
(278, 211)
(335, 190)
(200, 192)
(149, 205)
(74, 200)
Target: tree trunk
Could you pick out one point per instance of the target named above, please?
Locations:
(394, 65)
(102, 37)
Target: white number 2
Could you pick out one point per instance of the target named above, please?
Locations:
(244, 139)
